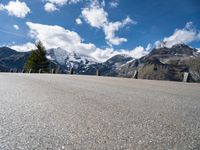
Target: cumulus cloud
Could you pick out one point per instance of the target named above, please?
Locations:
(59, 37)
(138, 52)
(180, 36)
(78, 21)
(111, 28)
(104, 54)
(16, 27)
(49, 7)
(23, 47)
(16, 8)
(97, 17)
(52, 5)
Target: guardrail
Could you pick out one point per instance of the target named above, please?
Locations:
(186, 75)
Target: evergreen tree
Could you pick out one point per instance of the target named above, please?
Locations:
(38, 60)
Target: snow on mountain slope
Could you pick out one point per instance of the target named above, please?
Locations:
(59, 55)
(69, 59)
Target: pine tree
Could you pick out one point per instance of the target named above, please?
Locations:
(38, 60)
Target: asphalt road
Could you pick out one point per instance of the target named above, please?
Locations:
(83, 112)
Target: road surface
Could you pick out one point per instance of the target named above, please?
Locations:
(57, 112)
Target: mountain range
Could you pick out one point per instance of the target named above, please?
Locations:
(11, 59)
(160, 64)
(166, 64)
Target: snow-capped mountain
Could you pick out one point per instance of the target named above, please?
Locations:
(67, 60)
(83, 64)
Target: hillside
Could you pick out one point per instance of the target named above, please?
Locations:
(11, 59)
(165, 64)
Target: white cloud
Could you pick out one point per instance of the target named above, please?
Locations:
(63, 2)
(53, 5)
(59, 37)
(23, 47)
(104, 54)
(114, 3)
(97, 17)
(16, 8)
(78, 21)
(16, 27)
(138, 52)
(111, 28)
(49, 7)
(180, 36)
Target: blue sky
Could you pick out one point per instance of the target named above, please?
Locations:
(128, 24)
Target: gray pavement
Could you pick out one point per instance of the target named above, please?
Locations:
(86, 112)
